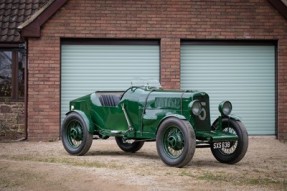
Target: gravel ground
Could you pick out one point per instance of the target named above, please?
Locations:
(46, 166)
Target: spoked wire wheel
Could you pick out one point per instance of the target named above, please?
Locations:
(237, 149)
(74, 133)
(175, 142)
(233, 144)
(75, 136)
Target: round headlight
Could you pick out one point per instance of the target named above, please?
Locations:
(196, 107)
(225, 107)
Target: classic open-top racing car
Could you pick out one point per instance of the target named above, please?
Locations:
(179, 121)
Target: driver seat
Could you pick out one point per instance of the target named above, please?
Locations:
(109, 100)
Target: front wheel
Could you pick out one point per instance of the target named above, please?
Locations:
(129, 146)
(237, 149)
(175, 142)
(75, 136)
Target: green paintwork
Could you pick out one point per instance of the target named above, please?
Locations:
(146, 108)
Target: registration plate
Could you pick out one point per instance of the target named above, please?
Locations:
(221, 145)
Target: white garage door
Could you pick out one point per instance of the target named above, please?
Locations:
(87, 68)
(243, 74)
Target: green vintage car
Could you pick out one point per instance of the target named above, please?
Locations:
(179, 121)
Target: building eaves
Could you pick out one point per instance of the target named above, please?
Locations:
(35, 15)
(281, 6)
(32, 27)
(12, 14)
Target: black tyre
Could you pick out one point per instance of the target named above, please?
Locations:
(75, 136)
(237, 149)
(175, 142)
(129, 146)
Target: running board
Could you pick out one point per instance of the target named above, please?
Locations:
(115, 132)
(216, 136)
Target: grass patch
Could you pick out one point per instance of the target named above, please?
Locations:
(261, 181)
(208, 176)
(186, 173)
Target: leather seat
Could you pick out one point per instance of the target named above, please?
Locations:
(109, 100)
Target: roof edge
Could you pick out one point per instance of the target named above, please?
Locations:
(35, 15)
(32, 26)
(280, 6)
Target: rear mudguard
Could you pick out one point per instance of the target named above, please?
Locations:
(87, 120)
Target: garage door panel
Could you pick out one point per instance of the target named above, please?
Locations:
(245, 75)
(86, 68)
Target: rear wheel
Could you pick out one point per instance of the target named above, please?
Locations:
(128, 145)
(75, 136)
(175, 142)
(237, 149)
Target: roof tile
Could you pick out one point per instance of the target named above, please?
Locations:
(12, 14)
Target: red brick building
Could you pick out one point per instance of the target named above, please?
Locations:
(185, 38)
(13, 66)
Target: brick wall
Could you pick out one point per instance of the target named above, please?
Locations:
(282, 89)
(44, 87)
(169, 21)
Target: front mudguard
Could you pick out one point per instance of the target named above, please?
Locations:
(87, 120)
(172, 115)
(168, 116)
(233, 117)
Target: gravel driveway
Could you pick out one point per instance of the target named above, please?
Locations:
(46, 166)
